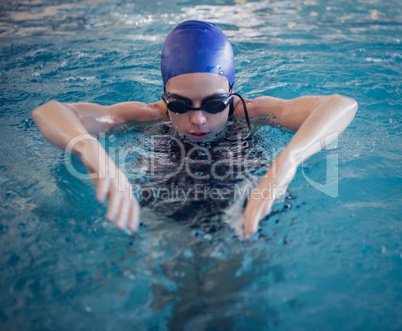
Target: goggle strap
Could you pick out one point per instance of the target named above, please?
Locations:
(245, 109)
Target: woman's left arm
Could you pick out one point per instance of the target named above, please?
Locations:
(317, 121)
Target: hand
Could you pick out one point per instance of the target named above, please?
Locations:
(258, 206)
(112, 184)
(123, 207)
(272, 186)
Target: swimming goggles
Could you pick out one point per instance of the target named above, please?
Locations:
(213, 104)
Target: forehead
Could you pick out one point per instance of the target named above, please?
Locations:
(197, 85)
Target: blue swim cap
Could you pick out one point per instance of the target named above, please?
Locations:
(196, 46)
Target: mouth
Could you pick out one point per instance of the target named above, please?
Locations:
(198, 135)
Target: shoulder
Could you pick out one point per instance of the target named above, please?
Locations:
(138, 111)
(276, 106)
(97, 118)
(288, 113)
(259, 107)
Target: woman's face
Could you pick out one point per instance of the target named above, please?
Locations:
(198, 125)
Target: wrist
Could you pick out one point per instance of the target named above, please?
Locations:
(282, 170)
(89, 150)
(288, 159)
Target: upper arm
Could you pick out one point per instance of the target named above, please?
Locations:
(97, 118)
(289, 113)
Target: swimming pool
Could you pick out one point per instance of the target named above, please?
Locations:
(317, 263)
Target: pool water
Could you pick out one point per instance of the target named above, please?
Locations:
(320, 261)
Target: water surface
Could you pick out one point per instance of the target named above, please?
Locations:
(318, 262)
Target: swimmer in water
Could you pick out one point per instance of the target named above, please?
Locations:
(197, 67)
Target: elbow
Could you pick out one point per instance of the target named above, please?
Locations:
(354, 106)
(348, 105)
(351, 108)
(37, 113)
(41, 110)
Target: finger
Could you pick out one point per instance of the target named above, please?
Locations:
(255, 212)
(134, 216)
(239, 226)
(102, 189)
(251, 227)
(113, 210)
(122, 217)
(253, 216)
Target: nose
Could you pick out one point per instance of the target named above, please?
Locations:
(198, 117)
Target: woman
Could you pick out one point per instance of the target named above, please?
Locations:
(198, 72)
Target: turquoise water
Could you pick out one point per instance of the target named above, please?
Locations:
(318, 262)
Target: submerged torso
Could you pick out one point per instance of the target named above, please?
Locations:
(189, 181)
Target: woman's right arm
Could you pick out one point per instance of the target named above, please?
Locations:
(71, 127)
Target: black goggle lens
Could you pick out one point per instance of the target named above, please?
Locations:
(213, 105)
